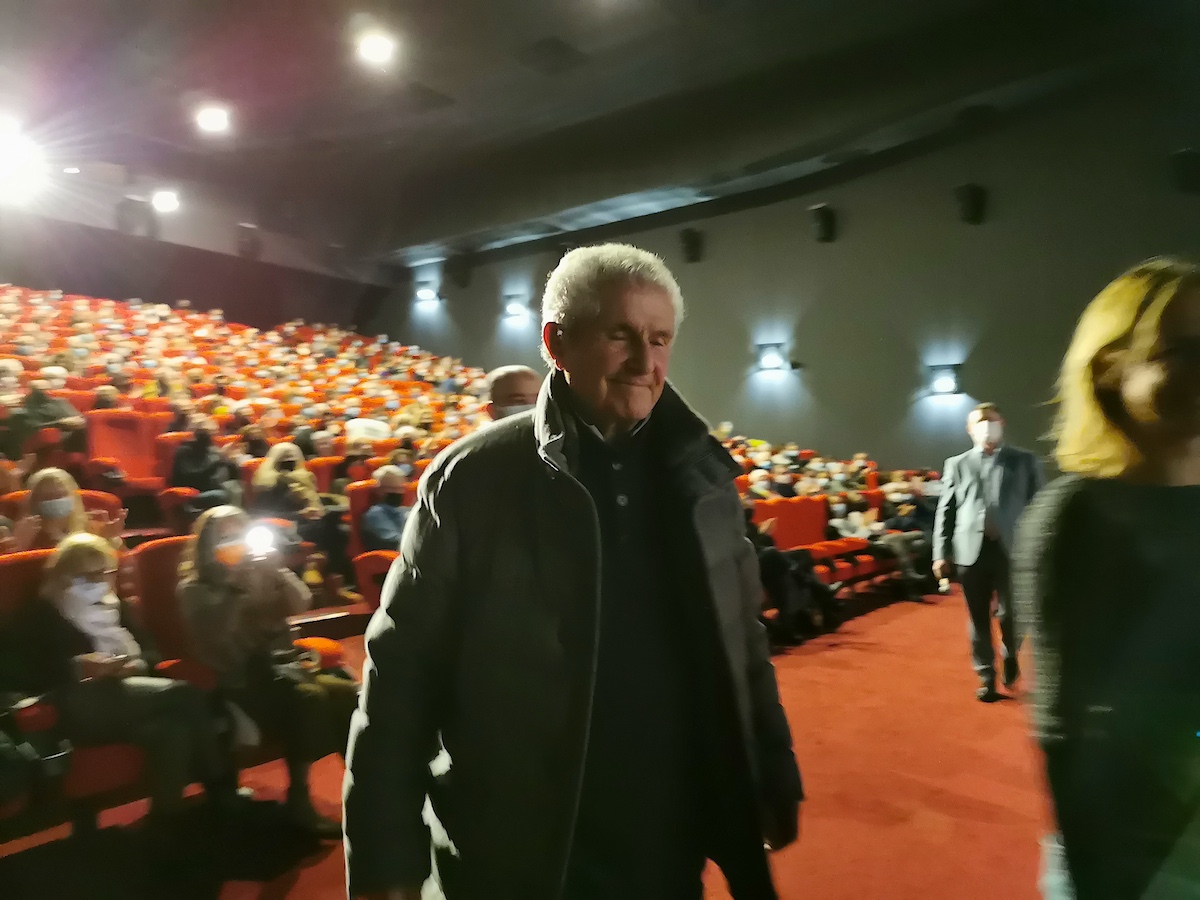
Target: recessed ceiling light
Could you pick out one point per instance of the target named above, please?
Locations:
(376, 47)
(165, 201)
(213, 118)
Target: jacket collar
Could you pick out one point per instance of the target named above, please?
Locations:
(681, 436)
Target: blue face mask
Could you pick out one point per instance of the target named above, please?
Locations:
(838, 510)
(352, 412)
(149, 363)
(80, 352)
(405, 468)
(56, 509)
(392, 404)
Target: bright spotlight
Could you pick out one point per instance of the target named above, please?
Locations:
(515, 308)
(23, 169)
(213, 118)
(376, 48)
(770, 357)
(165, 201)
(426, 294)
(944, 380)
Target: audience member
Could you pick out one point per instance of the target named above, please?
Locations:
(74, 647)
(383, 523)
(512, 390)
(353, 466)
(201, 465)
(1105, 577)
(236, 600)
(284, 488)
(54, 509)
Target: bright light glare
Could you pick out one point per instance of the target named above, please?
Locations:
(376, 48)
(71, 170)
(259, 540)
(943, 384)
(165, 201)
(23, 170)
(213, 118)
(771, 358)
(426, 294)
(516, 308)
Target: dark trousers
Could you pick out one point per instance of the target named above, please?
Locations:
(986, 579)
(168, 719)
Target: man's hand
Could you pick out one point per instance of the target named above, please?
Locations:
(101, 665)
(26, 529)
(106, 526)
(941, 568)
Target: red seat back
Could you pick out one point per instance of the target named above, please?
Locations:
(366, 567)
(21, 575)
(322, 469)
(165, 446)
(13, 504)
(361, 495)
(155, 570)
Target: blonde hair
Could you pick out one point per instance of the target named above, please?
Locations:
(267, 474)
(198, 561)
(77, 520)
(72, 554)
(1122, 324)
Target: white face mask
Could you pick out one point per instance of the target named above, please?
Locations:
(503, 412)
(987, 431)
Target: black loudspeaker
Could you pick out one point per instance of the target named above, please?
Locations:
(972, 203)
(248, 241)
(1185, 170)
(457, 270)
(824, 223)
(136, 217)
(692, 241)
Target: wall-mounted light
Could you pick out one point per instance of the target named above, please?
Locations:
(165, 201)
(515, 308)
(774, 358)
(426, 293)
(943, 380)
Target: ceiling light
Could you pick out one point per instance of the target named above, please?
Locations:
(213, 118)
(376, 47)
(71, 170)
(515, 308)
(943, 380)
(426, 294)
(165, 201)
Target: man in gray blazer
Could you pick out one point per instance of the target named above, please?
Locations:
(984, 493)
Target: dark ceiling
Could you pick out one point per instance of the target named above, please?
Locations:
(474, 80)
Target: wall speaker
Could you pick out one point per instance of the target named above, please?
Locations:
(458, 271)
(692, 241)
(824, 223)
(248, 241)
(972, 203)
(136, 217)
(1185, 170)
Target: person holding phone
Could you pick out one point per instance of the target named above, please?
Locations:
(236, 595)
(73, 647)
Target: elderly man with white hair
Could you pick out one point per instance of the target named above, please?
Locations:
(575, 616)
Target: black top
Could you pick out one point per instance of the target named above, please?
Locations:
(635, 834)
(202, 468)
(1107, 579)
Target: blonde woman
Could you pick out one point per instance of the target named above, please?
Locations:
(284, 488)
(73, 645)
(1107, 579)
(54, 509)
(236, 599)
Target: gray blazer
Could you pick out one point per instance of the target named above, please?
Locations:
(958, 527)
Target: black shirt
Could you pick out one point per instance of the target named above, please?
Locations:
(636, 833)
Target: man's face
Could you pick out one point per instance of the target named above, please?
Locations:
(518, 389)
(391, 484)
(985, 427)
(617, 362)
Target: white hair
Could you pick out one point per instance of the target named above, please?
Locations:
(395, 471)
(503, 372)
(576, 286)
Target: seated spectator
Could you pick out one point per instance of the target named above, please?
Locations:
(854, 518)
(383, 524)
(182, 412)
(41, 410)
(236, 602)
(353, 466)
(53, 510)
(782, 477)
(760, 484)
(254, 442)
(74, 646)
(107, 397)
(201, 465)
(284, 488)
(402, 458)
(512, 390)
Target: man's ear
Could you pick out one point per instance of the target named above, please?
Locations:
(490, 409)
(552, 338)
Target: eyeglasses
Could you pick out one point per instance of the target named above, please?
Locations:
(98, 575)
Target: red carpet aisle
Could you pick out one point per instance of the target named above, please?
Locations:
(917, 791)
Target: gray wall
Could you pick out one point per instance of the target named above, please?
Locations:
(1078, 193)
